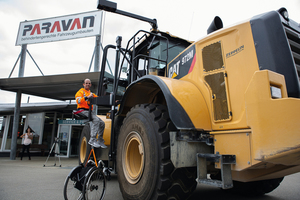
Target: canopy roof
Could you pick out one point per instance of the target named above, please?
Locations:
(59, 87)
(63, 107)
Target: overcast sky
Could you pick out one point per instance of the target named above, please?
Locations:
(187, 19)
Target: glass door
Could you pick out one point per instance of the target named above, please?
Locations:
(74, 140)
(69, 137)
(63, 135)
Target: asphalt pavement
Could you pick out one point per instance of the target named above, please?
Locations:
(29, 179)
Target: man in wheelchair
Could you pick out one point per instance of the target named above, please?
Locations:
(97, 125)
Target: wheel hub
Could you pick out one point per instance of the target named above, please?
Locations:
(133, 157)
(83, 148)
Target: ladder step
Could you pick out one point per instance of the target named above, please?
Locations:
(225, 162)
(211, 182)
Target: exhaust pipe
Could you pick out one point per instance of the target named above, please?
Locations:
(215, 25)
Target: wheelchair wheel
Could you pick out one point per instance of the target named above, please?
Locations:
(71, 189)
(94, 185)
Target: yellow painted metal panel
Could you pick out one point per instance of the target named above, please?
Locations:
(235, 143)
(275, 123)
(106, 134)
(192, 100)
(278, 171)
(240, 63)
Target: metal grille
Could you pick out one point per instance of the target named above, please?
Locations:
(294, 41)
(212, 57)
(217, 84)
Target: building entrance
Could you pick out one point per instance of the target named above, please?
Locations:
(69, 135)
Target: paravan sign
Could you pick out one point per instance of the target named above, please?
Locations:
(60, 28)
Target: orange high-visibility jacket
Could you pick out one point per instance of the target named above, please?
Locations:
(80, 100)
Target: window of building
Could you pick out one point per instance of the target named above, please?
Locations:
(48, 128)
(36, 122)
(2, 126)
(22, 120)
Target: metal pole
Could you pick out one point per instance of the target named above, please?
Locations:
(53, 127)
(35, 62)
(112, 153)
(97, 62)
(14, 66)
(22, 61)
(97, 53)
(97, 47)
(91, 60)
(13, 148)
(97, 57)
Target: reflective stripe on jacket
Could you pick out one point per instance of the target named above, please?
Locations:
(81, 102)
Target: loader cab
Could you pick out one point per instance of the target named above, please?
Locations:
(146, 53)
(156, 51)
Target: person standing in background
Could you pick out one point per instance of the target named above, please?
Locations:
(28, 136)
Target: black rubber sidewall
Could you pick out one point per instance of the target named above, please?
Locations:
(139, 120)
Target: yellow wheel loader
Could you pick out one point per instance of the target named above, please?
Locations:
(223, 110)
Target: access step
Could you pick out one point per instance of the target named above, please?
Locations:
(225, 162)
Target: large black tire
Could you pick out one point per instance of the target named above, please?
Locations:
(84, 147)
(144, 168)
(255, 188)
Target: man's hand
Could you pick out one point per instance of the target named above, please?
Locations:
(88, 97)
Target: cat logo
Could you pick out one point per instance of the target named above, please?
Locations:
(183, 64)
(174, 70)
